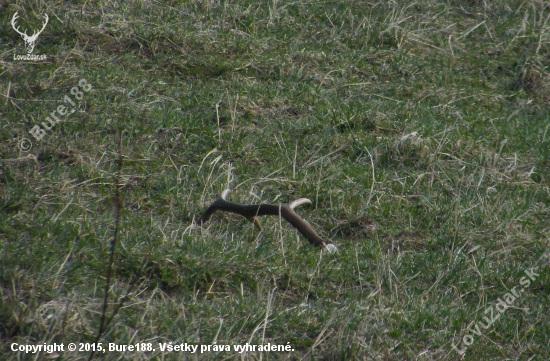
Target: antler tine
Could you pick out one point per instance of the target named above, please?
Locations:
(225, 193)
(299, 202)
(285, 210)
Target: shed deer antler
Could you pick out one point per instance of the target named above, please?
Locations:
(251, 211)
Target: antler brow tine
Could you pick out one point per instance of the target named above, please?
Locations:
(284, 210)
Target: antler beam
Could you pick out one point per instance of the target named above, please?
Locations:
(251, 211)
(16, 28)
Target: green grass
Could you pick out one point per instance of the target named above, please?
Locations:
(420, 131)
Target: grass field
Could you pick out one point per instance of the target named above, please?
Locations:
(420, 130)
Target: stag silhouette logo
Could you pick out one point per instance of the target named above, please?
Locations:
(30, 41)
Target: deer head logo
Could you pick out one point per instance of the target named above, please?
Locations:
(30, 41)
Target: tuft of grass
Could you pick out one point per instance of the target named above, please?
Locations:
(419, 129)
